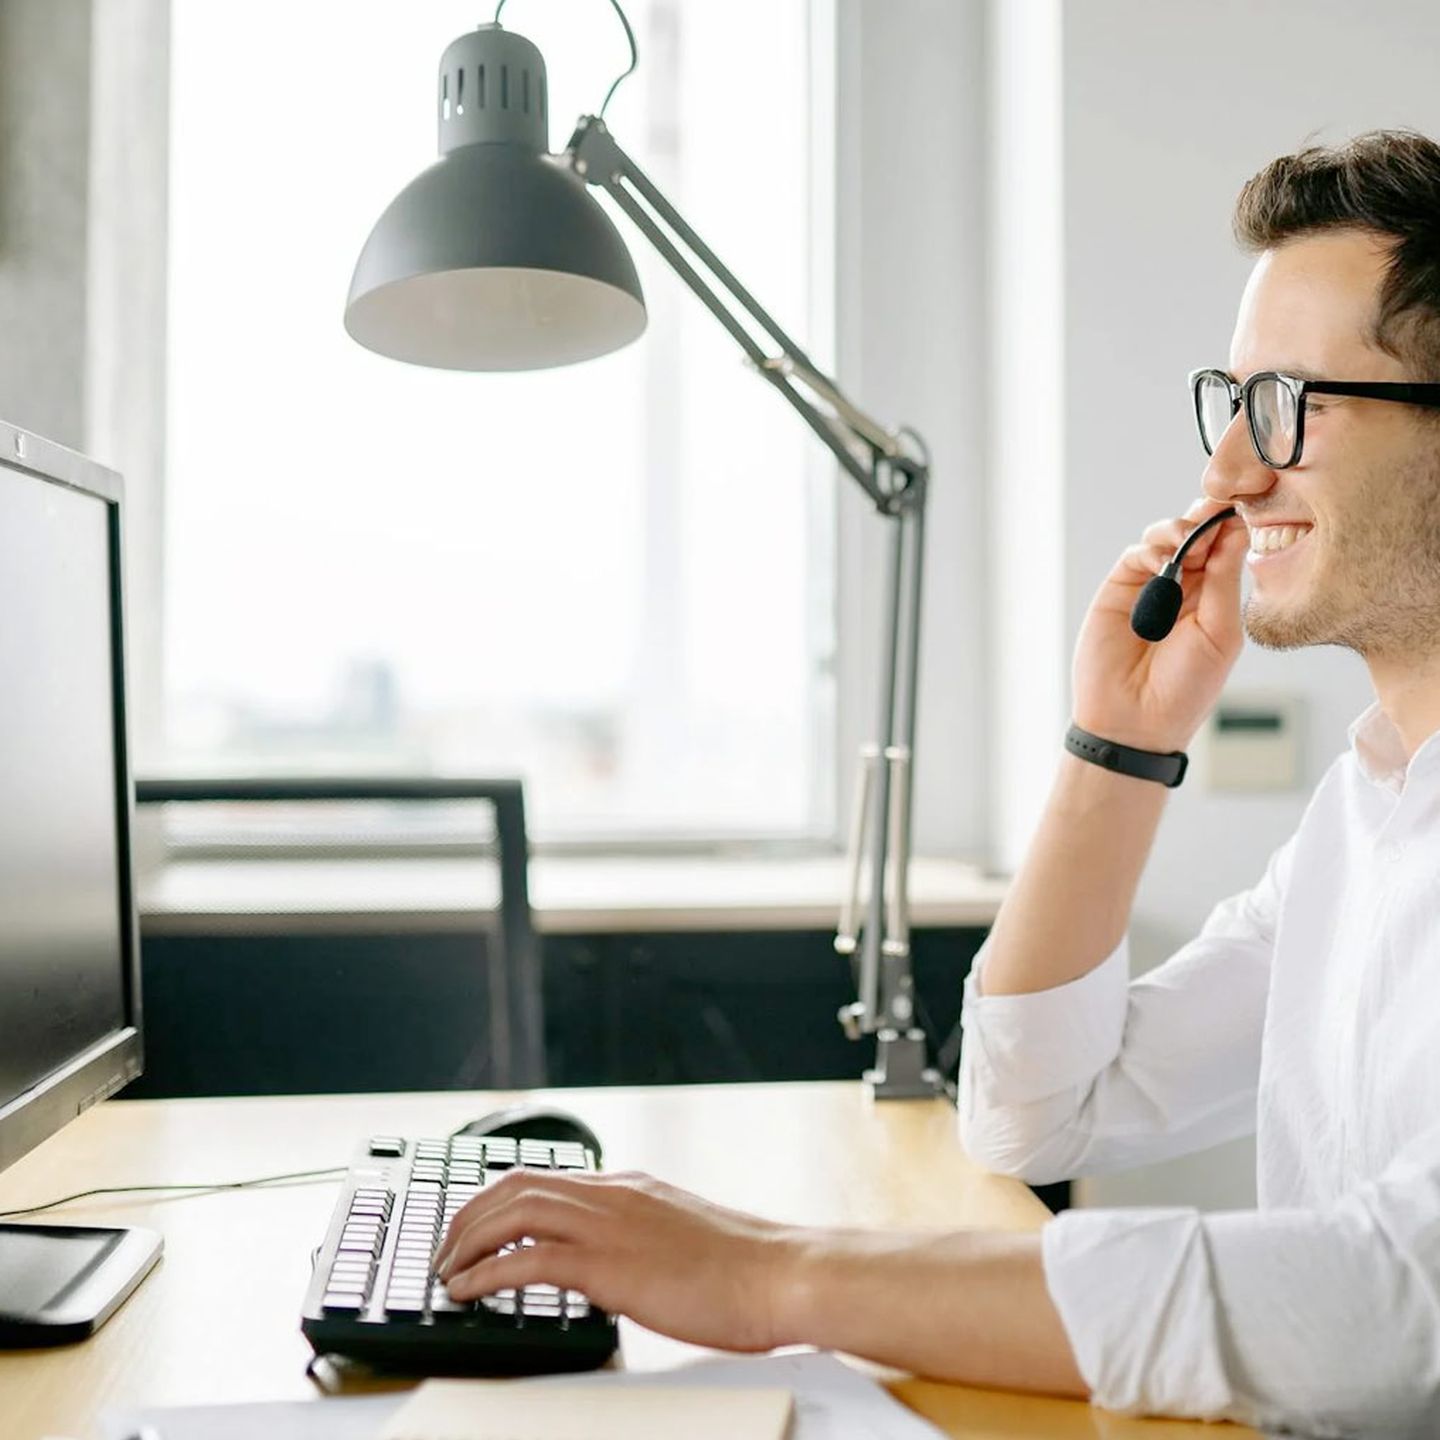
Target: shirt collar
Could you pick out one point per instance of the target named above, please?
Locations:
(1380, 753)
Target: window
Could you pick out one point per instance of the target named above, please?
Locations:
(614, 580)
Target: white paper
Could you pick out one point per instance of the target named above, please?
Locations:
(833, 1401)
(503, 1410)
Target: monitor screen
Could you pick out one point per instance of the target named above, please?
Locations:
(65, 934)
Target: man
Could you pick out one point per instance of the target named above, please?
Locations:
(1308, 1009)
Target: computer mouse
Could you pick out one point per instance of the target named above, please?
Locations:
(535, 1122)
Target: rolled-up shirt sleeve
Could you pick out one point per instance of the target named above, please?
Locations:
(1105, 1072)
(1324, 1321)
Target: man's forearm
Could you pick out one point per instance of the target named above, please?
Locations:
(970, 1307)
(1070, 902)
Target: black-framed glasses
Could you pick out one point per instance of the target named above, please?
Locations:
(1274, 406)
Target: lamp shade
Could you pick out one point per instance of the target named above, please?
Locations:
(497, 257)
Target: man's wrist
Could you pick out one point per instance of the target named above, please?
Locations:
(1161, 738)
(797, 1285)
(1162, 767)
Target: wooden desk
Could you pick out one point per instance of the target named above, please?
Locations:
(218, 1320)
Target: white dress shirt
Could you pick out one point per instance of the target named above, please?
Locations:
(1306, 1011)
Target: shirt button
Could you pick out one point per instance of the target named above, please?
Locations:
(1392, 851)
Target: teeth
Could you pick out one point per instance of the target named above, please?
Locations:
(1265, 539)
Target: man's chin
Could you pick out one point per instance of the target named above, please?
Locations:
(1273, 627)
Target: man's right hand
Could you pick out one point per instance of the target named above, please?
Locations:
(1155, 695)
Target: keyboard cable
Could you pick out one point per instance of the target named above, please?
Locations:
(196, 1189)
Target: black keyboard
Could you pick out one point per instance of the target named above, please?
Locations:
(374, 1296)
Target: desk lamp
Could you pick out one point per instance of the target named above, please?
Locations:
(497, 257)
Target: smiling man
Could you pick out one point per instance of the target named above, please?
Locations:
(1307, 1010)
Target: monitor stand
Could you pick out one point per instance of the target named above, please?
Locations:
(60, 1283)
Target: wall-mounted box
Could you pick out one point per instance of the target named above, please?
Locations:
(1252, 742)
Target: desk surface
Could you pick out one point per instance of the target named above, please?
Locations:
(217, 1321)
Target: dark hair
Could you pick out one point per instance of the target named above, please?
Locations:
(1385, 181)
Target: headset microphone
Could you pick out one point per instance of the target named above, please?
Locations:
(1158, 607)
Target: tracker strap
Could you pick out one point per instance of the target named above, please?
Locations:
(1164, 767)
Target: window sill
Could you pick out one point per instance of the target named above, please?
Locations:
(569, 895)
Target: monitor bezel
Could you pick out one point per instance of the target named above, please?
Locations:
(112, 1062)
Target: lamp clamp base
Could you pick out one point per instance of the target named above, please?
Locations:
(900, 1071)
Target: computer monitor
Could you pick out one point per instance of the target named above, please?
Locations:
(70, 1022)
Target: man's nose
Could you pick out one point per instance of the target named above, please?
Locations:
(1235, 471)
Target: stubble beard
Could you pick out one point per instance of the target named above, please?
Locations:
(1376, 588)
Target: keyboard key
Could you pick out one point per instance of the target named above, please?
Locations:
(405, 1305)
(343, 1302)
(387, 1145)
(443, 1307)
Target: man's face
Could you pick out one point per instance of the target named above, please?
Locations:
(1344, 546)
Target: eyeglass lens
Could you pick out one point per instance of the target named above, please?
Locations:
(1273, 418)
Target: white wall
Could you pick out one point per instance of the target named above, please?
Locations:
(44, 176)
(910, 316)
(83, 99)
(125, 332)
(1165, 109)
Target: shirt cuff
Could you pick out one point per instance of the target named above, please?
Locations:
(1137, 1300)
(1036, 1045)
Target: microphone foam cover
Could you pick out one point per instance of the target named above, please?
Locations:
(1155, 612)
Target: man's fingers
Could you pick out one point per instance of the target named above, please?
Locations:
(525, 1214)
(1169, 535)
(502, 1192)
(1219, 602)
(1143, 561)
(553, 1263)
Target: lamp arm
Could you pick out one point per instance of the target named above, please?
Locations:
(895, 475)
(855, 438)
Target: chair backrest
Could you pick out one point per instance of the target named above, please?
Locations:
(513, 981)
